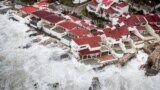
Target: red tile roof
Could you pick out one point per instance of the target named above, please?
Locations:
(150, 18)
(75, 18)
(141, 18)
(53, 19)
(93, 3)
(121, 19)
(140, 28)
(122, 4)
(91, 41)
(68, 25)
(107, 31)
(42, 13)
(29, 9)
(112, 33)
(42, 4)
(109, 11)
(123, 30)
(132, 20)
(87, 52)
(79, 32)
(115, 34)
(157, 18)
(155, 28)
(107, 2)
(97, 33)
(88, 26)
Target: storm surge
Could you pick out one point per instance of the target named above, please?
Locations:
(40, 67)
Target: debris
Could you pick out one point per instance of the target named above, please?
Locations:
(95, 85)
(123, 60)
(152, 66)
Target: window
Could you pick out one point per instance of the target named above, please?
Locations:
(82, 46)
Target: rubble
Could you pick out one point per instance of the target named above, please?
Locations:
(126, 58)
(152, 66)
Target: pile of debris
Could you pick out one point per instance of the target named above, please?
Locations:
(152, 66)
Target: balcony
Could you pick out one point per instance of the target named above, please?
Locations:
(58, 30)
(68, 37)
(127, 44)
(117, 48)
(48, 26)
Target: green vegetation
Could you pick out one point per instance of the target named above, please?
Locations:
(95, 19)
(67, 2)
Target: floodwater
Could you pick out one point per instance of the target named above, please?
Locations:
(39, 67)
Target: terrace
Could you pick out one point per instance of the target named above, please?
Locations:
(68, 37)
(48, 26)
(58, 30)
(106, 57)
(146, 34)
(127, 44)
(117, 48)
(134, 37)
(34, 20)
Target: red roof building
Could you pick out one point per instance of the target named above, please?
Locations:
(157, 18)
(121, 19)
(123, 30)
(42, 14)
(140, 28)
(132, 20)
(74, 18)
(115, 34)
(141, 19)
(29, 9)
(79, 32)
(122, 4)
(88, 52)
(68, 25)
(91, 41)
(155, 28)
(107, 2)
(93, 3)
(53, 19)
(109, 11)
(43, 4)
(150, 18)
(107, 31)
(112, 33)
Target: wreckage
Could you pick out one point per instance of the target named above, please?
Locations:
(152, 66)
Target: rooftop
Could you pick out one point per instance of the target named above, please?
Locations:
(29, 9)
(42, 13)
(68, 25)
(109, 11)
(42, 3)
(87, 52)
(93, 3)
(79, 32)
(107, 2)
(91, 41)
(53, 18)
(155, 27)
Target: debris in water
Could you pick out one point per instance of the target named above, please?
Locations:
(95, 85)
